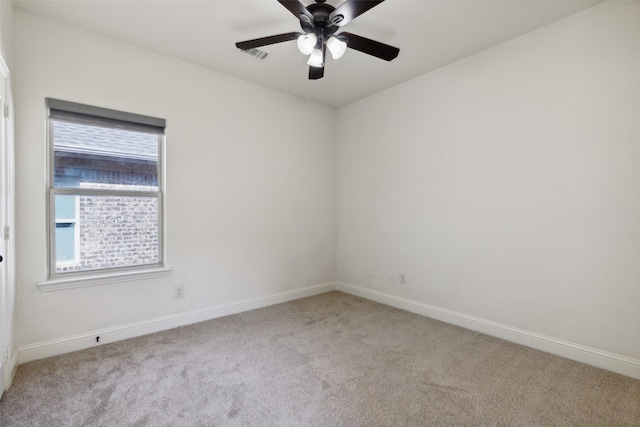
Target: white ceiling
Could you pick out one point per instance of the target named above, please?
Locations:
(429, 33)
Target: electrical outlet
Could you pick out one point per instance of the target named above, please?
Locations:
(178, 291)
(403, 278)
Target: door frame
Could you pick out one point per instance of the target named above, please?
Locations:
(8, 353)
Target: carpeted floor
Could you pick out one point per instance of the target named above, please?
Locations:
(328, 360)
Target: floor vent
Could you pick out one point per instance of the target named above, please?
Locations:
(255, 53)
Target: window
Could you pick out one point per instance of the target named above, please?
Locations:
(105, 189)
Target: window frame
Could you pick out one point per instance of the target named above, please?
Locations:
(58, 110)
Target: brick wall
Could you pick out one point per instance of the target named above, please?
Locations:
(117, 231)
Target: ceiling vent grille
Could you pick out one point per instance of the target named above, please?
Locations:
(258, 54)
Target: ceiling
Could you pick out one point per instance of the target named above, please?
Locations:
(429, 33)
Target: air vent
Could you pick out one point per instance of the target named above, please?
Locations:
(255, 53)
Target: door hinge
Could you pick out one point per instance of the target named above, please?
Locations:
(6, 355)
(7, 232)
(6, 111)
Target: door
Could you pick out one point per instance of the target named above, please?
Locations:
(3, 223)
(6, 245)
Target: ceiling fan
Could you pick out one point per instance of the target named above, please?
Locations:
(320, 21)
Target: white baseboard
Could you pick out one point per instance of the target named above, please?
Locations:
(580, 353)
(82, 341)
(8, 372)
(591, 356)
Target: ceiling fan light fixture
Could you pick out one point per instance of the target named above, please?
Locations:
(337, 47)
(315, 59)
(320, 22)
(307, 42)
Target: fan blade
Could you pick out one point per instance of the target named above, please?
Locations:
(316, 73)
(371, 47)
(350, 10)
(298, 10)
(264, 41)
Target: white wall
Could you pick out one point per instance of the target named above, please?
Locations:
(6, 32)
(507, 185)
(250, 194)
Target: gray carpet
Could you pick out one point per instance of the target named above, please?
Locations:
(328, 360)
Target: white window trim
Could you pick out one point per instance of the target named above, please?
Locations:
(59, 284)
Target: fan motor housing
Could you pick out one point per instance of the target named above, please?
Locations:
(320, 12)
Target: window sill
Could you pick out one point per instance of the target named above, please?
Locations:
(102, 279)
